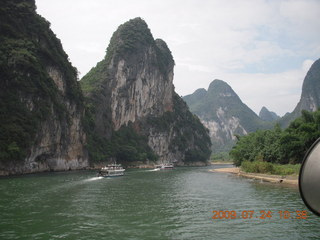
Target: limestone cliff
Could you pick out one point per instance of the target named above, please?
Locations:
(139, 90)
(132, 87)
(41, 101)
(310, 96)
(224, 114)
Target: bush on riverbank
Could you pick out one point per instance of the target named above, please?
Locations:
(270, 168)
(286, 146)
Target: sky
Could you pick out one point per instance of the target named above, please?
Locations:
(261, 48)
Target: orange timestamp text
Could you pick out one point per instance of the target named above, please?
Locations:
(262, 214)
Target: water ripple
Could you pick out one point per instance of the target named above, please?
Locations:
(174, 204)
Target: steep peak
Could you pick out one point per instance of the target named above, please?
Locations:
(310, 97)
(197, 96)
(224, 114)
(130, 37)
(132, 47)
(136, 25)
(217, 82)
(200, 92)
(268, 116)
(263, 109)
(221, 88)
(131, 93)
(312, 79)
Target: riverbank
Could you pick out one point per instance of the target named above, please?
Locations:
(220, 162)
(290, 179)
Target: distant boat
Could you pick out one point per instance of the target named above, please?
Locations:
(111, 170)
(164, 166)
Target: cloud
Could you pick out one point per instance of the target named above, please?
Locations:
(279, 92)
(258, 47)
(307, 64)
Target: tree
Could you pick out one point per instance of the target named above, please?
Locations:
(277, 146)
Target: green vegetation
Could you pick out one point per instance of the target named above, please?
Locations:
(279, 146)
(125, 145)
(270, 168)
(221, 157)
(28, 95)
(89, 83)
(164, 56)
(129, 38)
(130, 146)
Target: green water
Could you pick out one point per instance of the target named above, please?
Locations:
(144, 204)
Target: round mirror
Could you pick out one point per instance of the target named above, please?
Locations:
(309, 178)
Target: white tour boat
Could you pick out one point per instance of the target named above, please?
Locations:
(111, 170)
(164, 166)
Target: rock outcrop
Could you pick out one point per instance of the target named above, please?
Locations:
(41, 100)
(132, 87)
(140, 88)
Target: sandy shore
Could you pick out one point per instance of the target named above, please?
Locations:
(226, 170)
(220, 163)
(291, 180)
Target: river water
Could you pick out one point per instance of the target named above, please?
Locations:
(144, 204)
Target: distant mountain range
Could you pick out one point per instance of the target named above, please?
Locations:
(268, 116)
(221, 110)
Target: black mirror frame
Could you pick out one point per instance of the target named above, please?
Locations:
(305, 159)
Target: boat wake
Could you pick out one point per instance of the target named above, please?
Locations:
(93, 179)
(154, 170)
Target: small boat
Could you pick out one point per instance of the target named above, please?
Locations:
(111, 170)
(164, 166)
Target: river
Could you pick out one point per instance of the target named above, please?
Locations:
(145, 204)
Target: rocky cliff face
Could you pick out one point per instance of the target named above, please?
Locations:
(41, 101)
(140, 88)
(178, 135)
(310, 96)
(224, 114)
(132, 87)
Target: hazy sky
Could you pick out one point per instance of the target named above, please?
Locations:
(261, 48)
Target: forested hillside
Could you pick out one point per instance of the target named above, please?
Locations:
(41, 102)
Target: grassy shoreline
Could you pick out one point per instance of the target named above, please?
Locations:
(270, 168)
